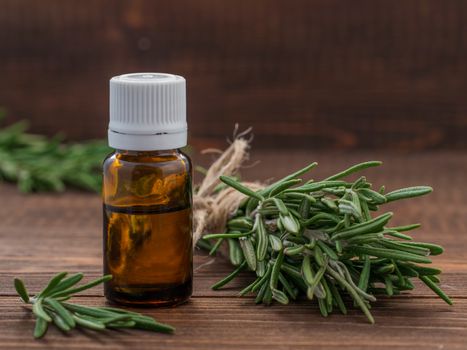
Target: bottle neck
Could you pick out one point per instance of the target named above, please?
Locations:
(153, 153)
(148, 142)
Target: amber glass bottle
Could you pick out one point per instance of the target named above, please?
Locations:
(147, 193)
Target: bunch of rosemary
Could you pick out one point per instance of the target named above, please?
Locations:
(50, 306)
(38, 163)
(319, 239)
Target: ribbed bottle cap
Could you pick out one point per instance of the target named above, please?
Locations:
(147, 112)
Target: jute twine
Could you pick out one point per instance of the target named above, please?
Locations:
(212, 209)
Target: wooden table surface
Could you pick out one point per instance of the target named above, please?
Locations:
(46, 233)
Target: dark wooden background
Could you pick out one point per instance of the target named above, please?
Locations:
(315, 74)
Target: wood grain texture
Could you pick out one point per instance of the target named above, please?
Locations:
(45, 233)
(319, 73)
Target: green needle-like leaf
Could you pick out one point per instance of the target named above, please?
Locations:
(39, 310)
(307, 270)
(249, 253)
(353, 293)
(280, 296)
(353, 169)
(227, 235)
(239, 187)
(327, 250)
(433, 248)
(405, 228)
(60, 322)
(434, 287)
(21, 290)
(41, 328)
(61, 311)
(290, 223)
(283, 186)
(95, 325)
(408, 192)
(263, 241)
(365, 275)
(230, 277)
(292, 176)
(235, 252)
(390, 254)
(88, 311)
(374, 196)
(275, 242)
(52, 284)
(84, 286)
(67, 283)
(371, 226)
(276, 270)
(142, 323)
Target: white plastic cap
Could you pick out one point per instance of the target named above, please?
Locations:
(147, 112)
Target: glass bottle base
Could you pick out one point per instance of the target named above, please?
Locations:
(153, 296)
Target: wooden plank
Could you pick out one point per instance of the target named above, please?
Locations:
(44, 233)
(452, 282)
(213, 323)
(324, 74)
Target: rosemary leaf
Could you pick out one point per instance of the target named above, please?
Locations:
(142, 323)
(390, 254)
(230, 277)
(21, 290)
(263, 241)
(94, 325)
(52, 284)
(371, 226)
(292, 176)
(40, 328)
(83, 287)
(405, 228)
(239, 187)
(216, 246)
(434, 287)
(235, 252)
(39, 311)
(67, 283)
(354, 169)
(408, 192)
(248, 253)
(61, 311)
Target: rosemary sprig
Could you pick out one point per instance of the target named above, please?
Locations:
(39, 163)
(318, 239)
(50, 306)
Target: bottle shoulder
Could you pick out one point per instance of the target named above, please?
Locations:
(141, 178)
(175, 160)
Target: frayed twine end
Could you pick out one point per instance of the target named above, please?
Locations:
(211, 208)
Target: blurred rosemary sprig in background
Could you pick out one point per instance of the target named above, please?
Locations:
(39, 163)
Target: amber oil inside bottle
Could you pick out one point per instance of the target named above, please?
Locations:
(148, 227)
